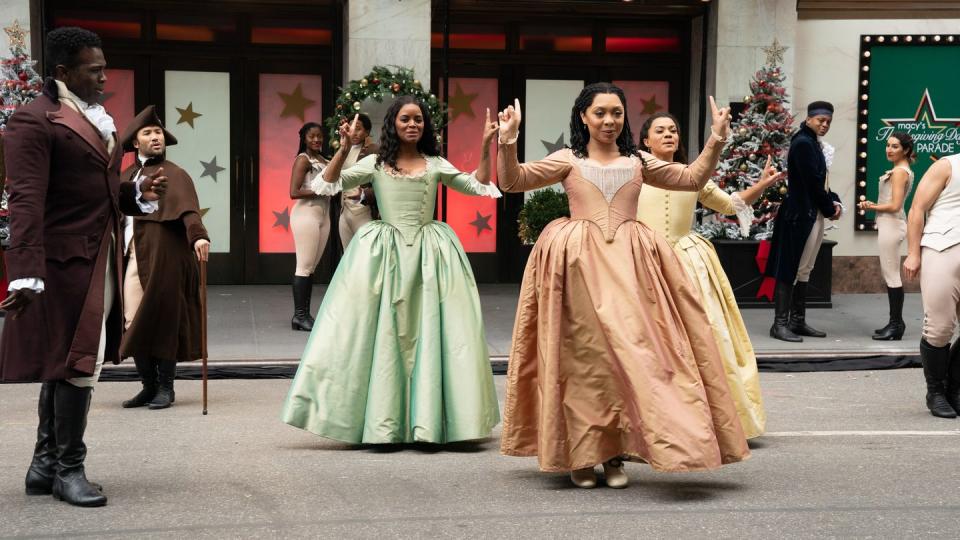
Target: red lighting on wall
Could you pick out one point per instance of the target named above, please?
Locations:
(495, 42)
(104, 28)
(643, 44)
(291, 36)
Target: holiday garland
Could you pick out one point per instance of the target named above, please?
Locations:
(380, 84)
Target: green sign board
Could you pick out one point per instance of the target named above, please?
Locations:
(907, 83)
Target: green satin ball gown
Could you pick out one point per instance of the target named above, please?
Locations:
(398, 352)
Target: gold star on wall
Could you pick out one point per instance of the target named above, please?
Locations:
(775, 52)
(650, 106)
(187, 115)
(17, 34)
(460, 103)
(295, 104)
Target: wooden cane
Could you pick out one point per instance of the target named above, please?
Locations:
(203, 330)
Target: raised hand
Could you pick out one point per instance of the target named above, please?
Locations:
(346, 132)
(510, 121)
(154, 186)
(721, 118)
(490, 129)
(770, 175)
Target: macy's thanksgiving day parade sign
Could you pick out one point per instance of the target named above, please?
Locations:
(906, 83)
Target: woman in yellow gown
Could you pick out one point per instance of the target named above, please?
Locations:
(671, 214)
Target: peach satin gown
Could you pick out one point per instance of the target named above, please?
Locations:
(612, 352)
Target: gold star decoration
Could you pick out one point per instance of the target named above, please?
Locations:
(650, 106)
(187, 115)
(775, 52)
(460, 103)
(17, 34)
(295, 103)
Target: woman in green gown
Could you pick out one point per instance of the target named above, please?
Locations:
(398, 352)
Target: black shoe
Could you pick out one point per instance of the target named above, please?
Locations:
(781, 314)
(302, 290)
(165, 395)
(798, 313)
(894, 329)
(70, 484)
(935, 367)
(147, 369)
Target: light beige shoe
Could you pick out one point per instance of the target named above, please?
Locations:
(614, 475)
(584, 478)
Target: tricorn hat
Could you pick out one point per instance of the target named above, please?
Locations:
(147, 117)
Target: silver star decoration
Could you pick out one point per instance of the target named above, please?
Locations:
(210, 168)
(553, 146)
(775, 52)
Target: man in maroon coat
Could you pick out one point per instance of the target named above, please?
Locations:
(65, 200)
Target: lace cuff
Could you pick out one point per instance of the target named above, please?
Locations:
(485, 190)
(321, 187)
(744, 214)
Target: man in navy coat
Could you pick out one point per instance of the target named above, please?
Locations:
(798, 229)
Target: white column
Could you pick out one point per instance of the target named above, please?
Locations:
(744, 28)
(385, 33)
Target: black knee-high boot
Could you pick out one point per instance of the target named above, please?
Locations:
(70, 484)
(798, 313)
(894, 329)
(935, 369)
(147, 369)
(165, 396)
(42, 469)
(781, 318)
(953, 377)
(302, 290)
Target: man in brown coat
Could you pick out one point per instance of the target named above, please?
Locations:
(162, 278)
(65, 200)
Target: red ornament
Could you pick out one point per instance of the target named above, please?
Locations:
(23, 75)
(722, 184)
(375, 80)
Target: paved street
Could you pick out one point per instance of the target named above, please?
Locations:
(849, 454)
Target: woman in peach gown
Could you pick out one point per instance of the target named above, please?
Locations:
(612, 355)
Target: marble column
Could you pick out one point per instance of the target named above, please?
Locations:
(385, 33)
(743, 29)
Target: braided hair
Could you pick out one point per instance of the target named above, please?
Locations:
(390, 141)
(580, 134)
(303, 136)
(63, 45)
(680, 156)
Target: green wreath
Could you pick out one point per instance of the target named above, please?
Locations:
(382, 83)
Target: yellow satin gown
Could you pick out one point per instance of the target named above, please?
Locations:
(671, 214)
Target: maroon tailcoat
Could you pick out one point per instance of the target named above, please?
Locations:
(65, 204)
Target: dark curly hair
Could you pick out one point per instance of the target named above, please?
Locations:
(303, 135)
(390, 141)
(580, 135)
(906, 142)
(63, 45)
(680, 156)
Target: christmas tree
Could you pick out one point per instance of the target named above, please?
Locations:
(763, 129)
(19, 83)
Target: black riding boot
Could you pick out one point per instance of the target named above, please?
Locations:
(894, 329)
(70, 484)
(781, 318)
(147, 369)
(165, 396)
(953, 378)
(798, 313)
(935, 365)
(39, 479)
(302, 290)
